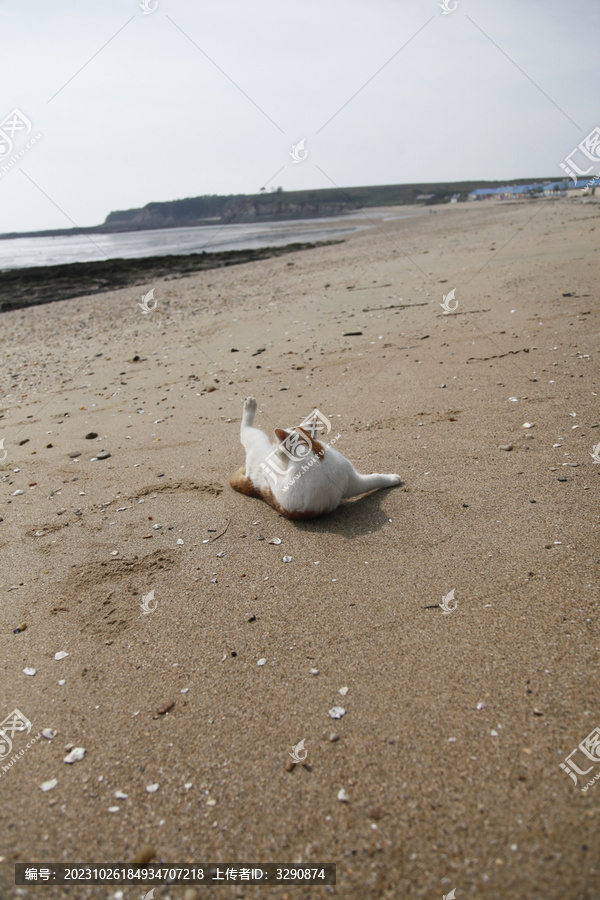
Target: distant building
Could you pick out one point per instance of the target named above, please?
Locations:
(550, 189)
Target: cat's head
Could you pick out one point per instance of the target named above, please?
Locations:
(295, 445)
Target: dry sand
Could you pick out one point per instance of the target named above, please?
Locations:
(441, 794)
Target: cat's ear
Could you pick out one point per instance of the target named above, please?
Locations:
(281, 434)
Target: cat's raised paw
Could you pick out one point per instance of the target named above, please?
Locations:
(250, 404)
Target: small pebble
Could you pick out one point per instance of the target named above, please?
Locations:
(333, 737)
(76, 755)
(114, 809)
(314, 671)
(48, 733)
(343, 691)
(152, 788)
(144, 856)
(342, 796)
(287, 558)
(527, 424)
(538, 712)
(451, 740)
(104, 454)
(179, 541)
(28, 670)
(18, 493)
(505, 446)
(261, 662)
(62, 654)
(21, 628)
(48, 785)
(336, 712)
(494, 733)
(120, 795)
(561, 478)
(91, 435)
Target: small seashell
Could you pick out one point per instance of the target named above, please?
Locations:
(527, 424)
(114, 809)
(28, 670)
(120, 795)
(48, 733)
(343, 691)
(275, 541)
(287, 558)
(152, 788)
(62, 654)
(336, 712)
(505, 446)
(76, 755)
(494, 733)
(48, 785)
(18, 493)
(314, 671)
(342, 796)
(221, 554)
(179, 541)
(261, 662)
(481, 705)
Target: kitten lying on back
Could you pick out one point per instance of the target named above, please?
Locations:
(300, 476)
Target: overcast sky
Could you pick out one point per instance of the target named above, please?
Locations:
(209, 97)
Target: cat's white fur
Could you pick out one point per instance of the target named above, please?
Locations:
(311, 486)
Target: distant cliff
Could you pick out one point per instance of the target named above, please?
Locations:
(210, 209)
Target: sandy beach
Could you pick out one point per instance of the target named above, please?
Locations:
(448, 754)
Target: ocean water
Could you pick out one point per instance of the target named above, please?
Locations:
(17, 253)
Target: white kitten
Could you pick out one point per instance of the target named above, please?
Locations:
(299, 476)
